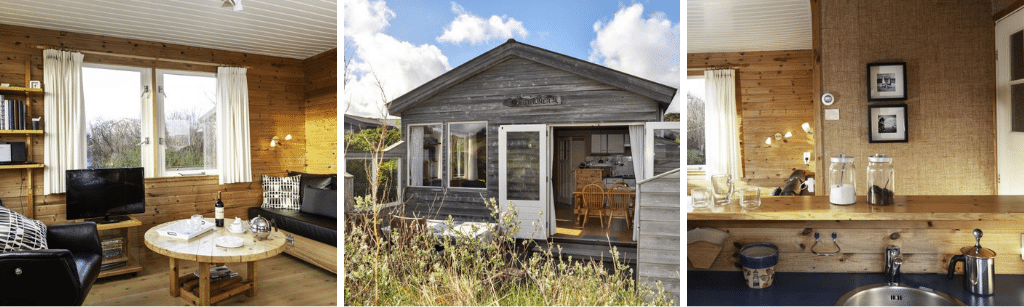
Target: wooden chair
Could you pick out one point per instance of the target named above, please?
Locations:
(405, 228)
(618, 203)
(593, 203)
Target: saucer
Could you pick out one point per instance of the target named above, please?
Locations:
(229, 241)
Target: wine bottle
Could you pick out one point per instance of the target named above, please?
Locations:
(219, 211)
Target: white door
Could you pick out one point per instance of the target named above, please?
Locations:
(1010, 103)
(523, 167)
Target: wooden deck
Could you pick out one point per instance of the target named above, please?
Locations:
(284, 281)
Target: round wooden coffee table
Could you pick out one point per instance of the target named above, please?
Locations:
(204, 250)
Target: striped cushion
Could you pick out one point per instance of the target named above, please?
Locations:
(18, 233)
(281, 192)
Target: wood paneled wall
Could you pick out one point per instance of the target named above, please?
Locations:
(948, 47)
(322, 112)
(774, 95)
(926, 246)
(277, 91)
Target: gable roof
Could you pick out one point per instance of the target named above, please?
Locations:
(655, 91)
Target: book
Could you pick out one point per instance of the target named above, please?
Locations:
(107, 266)
(218, 273)
(21, 114)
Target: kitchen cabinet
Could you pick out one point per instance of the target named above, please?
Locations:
(607, 143)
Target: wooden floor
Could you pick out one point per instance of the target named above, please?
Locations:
(568, 226)
(283, 281)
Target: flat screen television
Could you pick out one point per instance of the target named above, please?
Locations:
(107, 193)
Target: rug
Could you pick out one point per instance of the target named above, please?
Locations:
(568, 231)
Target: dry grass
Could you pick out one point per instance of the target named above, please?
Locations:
(395, 269)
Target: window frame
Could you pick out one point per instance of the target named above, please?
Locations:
(146, 111)
(689, 167)
(160, 124)
(447, 147)
(419, 160)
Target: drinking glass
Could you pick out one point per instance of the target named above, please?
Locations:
(723, 187)
(196, 222)
(701, 198)
(750, 198)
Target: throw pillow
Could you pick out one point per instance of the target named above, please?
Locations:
(281, 192)
(320, 201)
(18, 233)
(319, 181)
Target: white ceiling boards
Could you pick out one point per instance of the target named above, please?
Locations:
(295, 29)
(747, 25)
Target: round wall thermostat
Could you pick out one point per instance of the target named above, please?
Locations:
(827, 99)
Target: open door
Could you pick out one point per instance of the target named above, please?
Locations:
(1010, 103)
(523, 166)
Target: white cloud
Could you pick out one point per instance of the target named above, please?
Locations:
(399, 65)
(476, 30)
(647, 48)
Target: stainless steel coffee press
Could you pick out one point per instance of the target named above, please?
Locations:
(979, 266)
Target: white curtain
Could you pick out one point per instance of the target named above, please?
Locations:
(415, 156)
(721, 135)
(636, 141)
(64, 109)
(233, 152)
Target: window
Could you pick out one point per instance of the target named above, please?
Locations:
(695, 123)
(467, 154)
(425, 155)
(171, 133)
(113, 115)
(187, 102)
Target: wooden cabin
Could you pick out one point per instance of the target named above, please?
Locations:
(292, 90)
(957, 164)
(502, 124)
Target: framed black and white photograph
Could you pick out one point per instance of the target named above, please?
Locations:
(887, 123)
(887, 81)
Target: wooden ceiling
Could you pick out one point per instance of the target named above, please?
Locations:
(295, 29)
(747, 25)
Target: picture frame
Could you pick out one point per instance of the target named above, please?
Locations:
(888, 123)
(887, 81)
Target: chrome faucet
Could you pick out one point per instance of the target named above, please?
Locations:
(893, 261)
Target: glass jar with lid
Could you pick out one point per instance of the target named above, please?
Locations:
(842, 176)
(881, 175)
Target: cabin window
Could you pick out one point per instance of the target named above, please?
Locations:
(113, 115)
(695, 99)
(467, 155)
(1016, 76)
(187, 102)
(168, 127)
(425, 155)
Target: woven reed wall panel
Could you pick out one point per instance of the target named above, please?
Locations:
(322, 112)
(948, 47)
(276, 98)
(774, 95)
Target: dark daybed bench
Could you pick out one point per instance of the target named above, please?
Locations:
(312, 232)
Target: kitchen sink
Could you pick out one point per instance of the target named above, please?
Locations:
(896, 295)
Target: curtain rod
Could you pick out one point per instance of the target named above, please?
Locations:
(138, 57)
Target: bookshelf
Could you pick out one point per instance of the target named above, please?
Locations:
(30, 96)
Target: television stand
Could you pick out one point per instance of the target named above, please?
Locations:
(118, 235)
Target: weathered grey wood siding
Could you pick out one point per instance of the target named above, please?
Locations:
(480, 98)
(658, 252)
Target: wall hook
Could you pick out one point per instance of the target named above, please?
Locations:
(838, 249)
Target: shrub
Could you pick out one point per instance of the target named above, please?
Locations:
(406, 269)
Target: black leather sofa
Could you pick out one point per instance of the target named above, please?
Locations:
(60, 275)
(312, 235)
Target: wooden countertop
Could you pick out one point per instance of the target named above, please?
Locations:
(905, 208)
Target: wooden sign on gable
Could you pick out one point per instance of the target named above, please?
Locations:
(533, 101)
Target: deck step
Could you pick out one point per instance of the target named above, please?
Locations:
(585, 251)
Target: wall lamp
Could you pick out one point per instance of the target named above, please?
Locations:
(276, 140)
(778, 136)
(807, 128)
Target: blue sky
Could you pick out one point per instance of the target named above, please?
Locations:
(406, 43)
